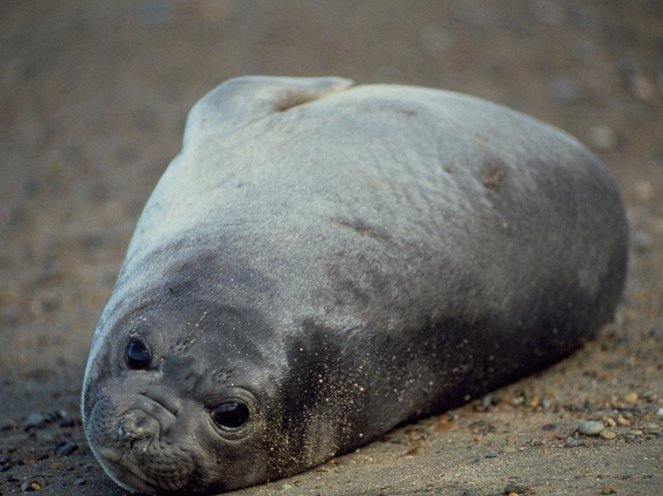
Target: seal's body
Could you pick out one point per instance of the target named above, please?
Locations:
(321, 263)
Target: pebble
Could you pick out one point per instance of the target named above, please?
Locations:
(30, 485)
(590, 427)
(547, 404)
(609, 422)
(644, 191)
(651, 428)
(574, 443)
(603, 138)
(79, 481)
(607, 490)
(643, 88)
(641, 241)
(631, 397)
(35, 420)
(66, 448)
(608, 435)
(514, 488)
(659, 413)
(491, 454)
(67, 422)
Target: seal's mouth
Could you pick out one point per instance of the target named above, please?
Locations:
(148, 466)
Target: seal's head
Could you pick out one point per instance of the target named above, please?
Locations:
(161, 418)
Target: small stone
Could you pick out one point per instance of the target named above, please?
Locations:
(79, 481)
(67, 422)
(651, 428)
(641, 241)
(535, 402)
(35, 421)
(490, 454)
(659, 413)
(52, 415)
(590, 427)
(608, 421)
(643, 88)
(513, 488)
(607, 490)
(631, 397)
(29, 486)
(574, 443)
(608, 435)
(644, 191)
(603, 138)
(623, 422)
(66, 448)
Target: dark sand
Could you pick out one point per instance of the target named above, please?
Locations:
(93, 97)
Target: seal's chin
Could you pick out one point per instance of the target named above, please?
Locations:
(147, 467)
(122, 474)
(152, 468)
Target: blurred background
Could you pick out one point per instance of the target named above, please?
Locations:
(94, 95)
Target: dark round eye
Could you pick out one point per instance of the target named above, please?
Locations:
(231, 414)
(138, 354)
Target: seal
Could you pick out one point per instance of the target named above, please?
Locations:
(323, 262)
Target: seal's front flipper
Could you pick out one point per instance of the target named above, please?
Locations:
(244, 99)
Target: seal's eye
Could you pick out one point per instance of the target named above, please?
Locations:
(231, 414)
(138, 354)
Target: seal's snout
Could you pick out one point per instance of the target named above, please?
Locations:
(137, 425)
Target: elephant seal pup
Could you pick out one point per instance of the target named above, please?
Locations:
(322, 262)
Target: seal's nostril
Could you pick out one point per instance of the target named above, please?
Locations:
(136, 425)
